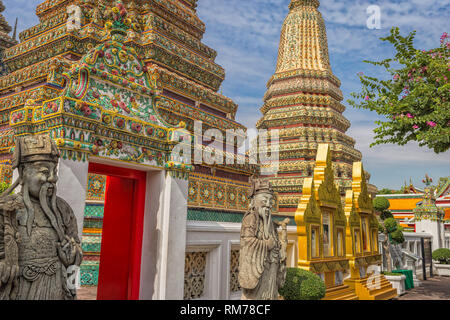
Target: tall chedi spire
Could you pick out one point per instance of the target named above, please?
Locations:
(5, 40)
(303, 101)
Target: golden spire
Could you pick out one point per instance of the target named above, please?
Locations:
(303, 43)
(298, 3)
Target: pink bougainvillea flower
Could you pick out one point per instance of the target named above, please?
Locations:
(409, 115)
(431, 124)
(396, 77)
(415, 126)
(367, 98)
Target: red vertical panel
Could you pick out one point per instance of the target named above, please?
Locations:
(116, 237)
(121, 250)
(137, 223)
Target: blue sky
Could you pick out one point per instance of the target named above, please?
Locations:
(246, 34)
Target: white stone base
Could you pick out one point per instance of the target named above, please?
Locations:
(442, 270)
(398, 282)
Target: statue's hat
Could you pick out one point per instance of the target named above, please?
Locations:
(261, 186)
(35, 148)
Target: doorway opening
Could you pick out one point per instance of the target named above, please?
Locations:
(111, 266)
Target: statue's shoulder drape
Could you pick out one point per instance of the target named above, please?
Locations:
(7, 204)
(253, 252)
(69, 219)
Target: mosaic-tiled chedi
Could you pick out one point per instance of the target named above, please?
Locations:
(171, 69)
(303, 101)
(6, 41)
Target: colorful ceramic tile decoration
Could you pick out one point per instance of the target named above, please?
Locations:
(303, 101)
(119, 87)
(96, 187)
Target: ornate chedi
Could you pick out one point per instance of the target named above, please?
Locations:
(5, 133)
(166, 37)
(303, 102)
(116, 80)
(429, 217)
(5, 40)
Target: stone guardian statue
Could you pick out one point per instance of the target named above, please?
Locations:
(39, 243)
(262, 261)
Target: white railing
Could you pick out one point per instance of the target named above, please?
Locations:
(413, 246)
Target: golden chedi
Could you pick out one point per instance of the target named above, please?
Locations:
(303, 101)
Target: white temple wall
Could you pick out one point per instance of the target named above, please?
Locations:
(71, 186)
(435, 228)
(171, 215)
(217, 240)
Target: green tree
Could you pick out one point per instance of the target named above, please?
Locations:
(415, 99)
(393, 232)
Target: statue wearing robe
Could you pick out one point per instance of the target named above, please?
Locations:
(39, 243)
(262, 262)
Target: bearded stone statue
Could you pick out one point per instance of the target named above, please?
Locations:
(262, 261)
(39, 243)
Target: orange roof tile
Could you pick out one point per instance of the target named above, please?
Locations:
(404, 204)
(447, 214)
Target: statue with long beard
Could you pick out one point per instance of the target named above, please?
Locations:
(39, 243)
(262, 261)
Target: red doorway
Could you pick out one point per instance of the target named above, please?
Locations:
(120, 256)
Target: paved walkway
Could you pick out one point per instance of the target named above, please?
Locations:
(436, 288)
(87, 293)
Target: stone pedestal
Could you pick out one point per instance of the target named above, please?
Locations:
(398, 282)
(442, 270)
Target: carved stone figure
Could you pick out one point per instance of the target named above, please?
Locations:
(39, 243)
(262, 262)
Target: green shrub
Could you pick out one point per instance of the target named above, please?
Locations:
(391, 225)
(442, 255)
(386, 215)
(381, 204)
(302, 285)
(398, 236)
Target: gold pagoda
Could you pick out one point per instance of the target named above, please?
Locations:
(303, 101)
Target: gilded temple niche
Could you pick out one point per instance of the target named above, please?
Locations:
(321, 225)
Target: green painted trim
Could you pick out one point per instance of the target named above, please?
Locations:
(393, 197)
(224, 216)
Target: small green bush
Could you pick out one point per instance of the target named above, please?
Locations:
(442, 255)
(386, 215)
(398, 236)
(302, 285)
(391, 224)
(381, 204)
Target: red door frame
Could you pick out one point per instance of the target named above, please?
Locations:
(137, 223)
